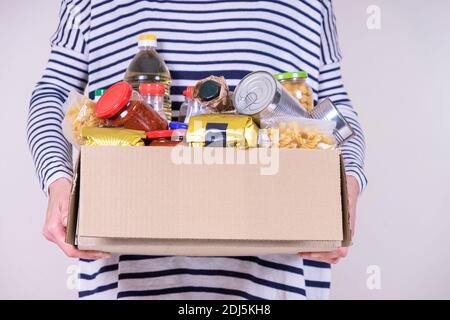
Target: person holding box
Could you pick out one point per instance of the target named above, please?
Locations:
(94, 42)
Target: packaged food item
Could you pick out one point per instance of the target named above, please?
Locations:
(213, 93)
(166, 138)
(153, 94)
(222, 130)
(326, 110)
(261, 96)
(190, 107)
(264, 138)
(120, 106)
(295, 83)
(98, 94)
(149, 67)
(302, 133)
(79, 114)
(112, 137)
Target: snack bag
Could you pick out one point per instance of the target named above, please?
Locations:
(301, 133)
(79, 114)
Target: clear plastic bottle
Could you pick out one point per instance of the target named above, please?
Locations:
(149, 67)
(190, 107)
(153, 94)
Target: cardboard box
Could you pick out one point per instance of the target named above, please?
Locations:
(212, 201)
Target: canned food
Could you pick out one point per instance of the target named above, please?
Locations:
(326, 110)
(261, 96)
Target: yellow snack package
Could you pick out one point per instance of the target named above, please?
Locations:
(79, 114)
(222, 130)
(112, 137)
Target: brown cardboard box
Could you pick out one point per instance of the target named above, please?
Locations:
(212, 201)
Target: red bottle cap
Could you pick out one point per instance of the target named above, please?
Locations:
(113, 100)
(165, 134)
(152, 89)
(188, 93)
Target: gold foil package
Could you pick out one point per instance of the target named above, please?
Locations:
(222, 130)
(112, 137)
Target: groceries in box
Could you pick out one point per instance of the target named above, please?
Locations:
(265, 111)
(283, 108)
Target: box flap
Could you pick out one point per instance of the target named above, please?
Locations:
(141, 192)
(204, 247)
(72, 218)
(345, 208)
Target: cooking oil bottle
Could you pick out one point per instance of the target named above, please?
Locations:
(149, 67)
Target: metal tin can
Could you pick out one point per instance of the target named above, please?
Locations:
(261, 96)
(326, 110)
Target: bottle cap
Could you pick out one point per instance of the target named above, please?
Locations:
(152, 89)
(178, 125)
(147, 40)
(291, 75)
(113, 100)
(188, 92)
(209, 90)
(100, 92)
(165, 134)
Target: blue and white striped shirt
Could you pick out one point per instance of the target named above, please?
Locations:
(91, 48)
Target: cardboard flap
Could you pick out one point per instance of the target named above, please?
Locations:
(345, 208)
(141, 192)
(72, 218)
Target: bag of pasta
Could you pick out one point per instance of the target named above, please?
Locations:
(300, 133)
(79, 114)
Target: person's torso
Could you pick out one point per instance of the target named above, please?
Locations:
(202, 38)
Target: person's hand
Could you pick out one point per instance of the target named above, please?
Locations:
(334, 257)
(56, 221)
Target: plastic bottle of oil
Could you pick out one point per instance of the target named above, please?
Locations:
(149, 67)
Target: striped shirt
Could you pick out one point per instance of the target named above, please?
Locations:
(91, 48)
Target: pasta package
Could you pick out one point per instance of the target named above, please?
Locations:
(79, 114)
(303, 134)
(222, 130)
(112, 137)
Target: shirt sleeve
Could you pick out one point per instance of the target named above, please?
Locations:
(66, 70)
(331, 86)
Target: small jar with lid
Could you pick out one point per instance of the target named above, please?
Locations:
(295, 83)
(120, 106)
(166, 138)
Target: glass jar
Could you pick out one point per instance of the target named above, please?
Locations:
(166, 138)
(295, 83)
(123, 107)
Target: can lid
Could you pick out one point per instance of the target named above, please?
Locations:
(100, 92)
(113, 100)
(165, 134)
(291, 75)
(188, 93)
(178, 125)
(209, 90)
(255, 92)
(152, 89)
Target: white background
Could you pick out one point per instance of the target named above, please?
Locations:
(398, 78)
